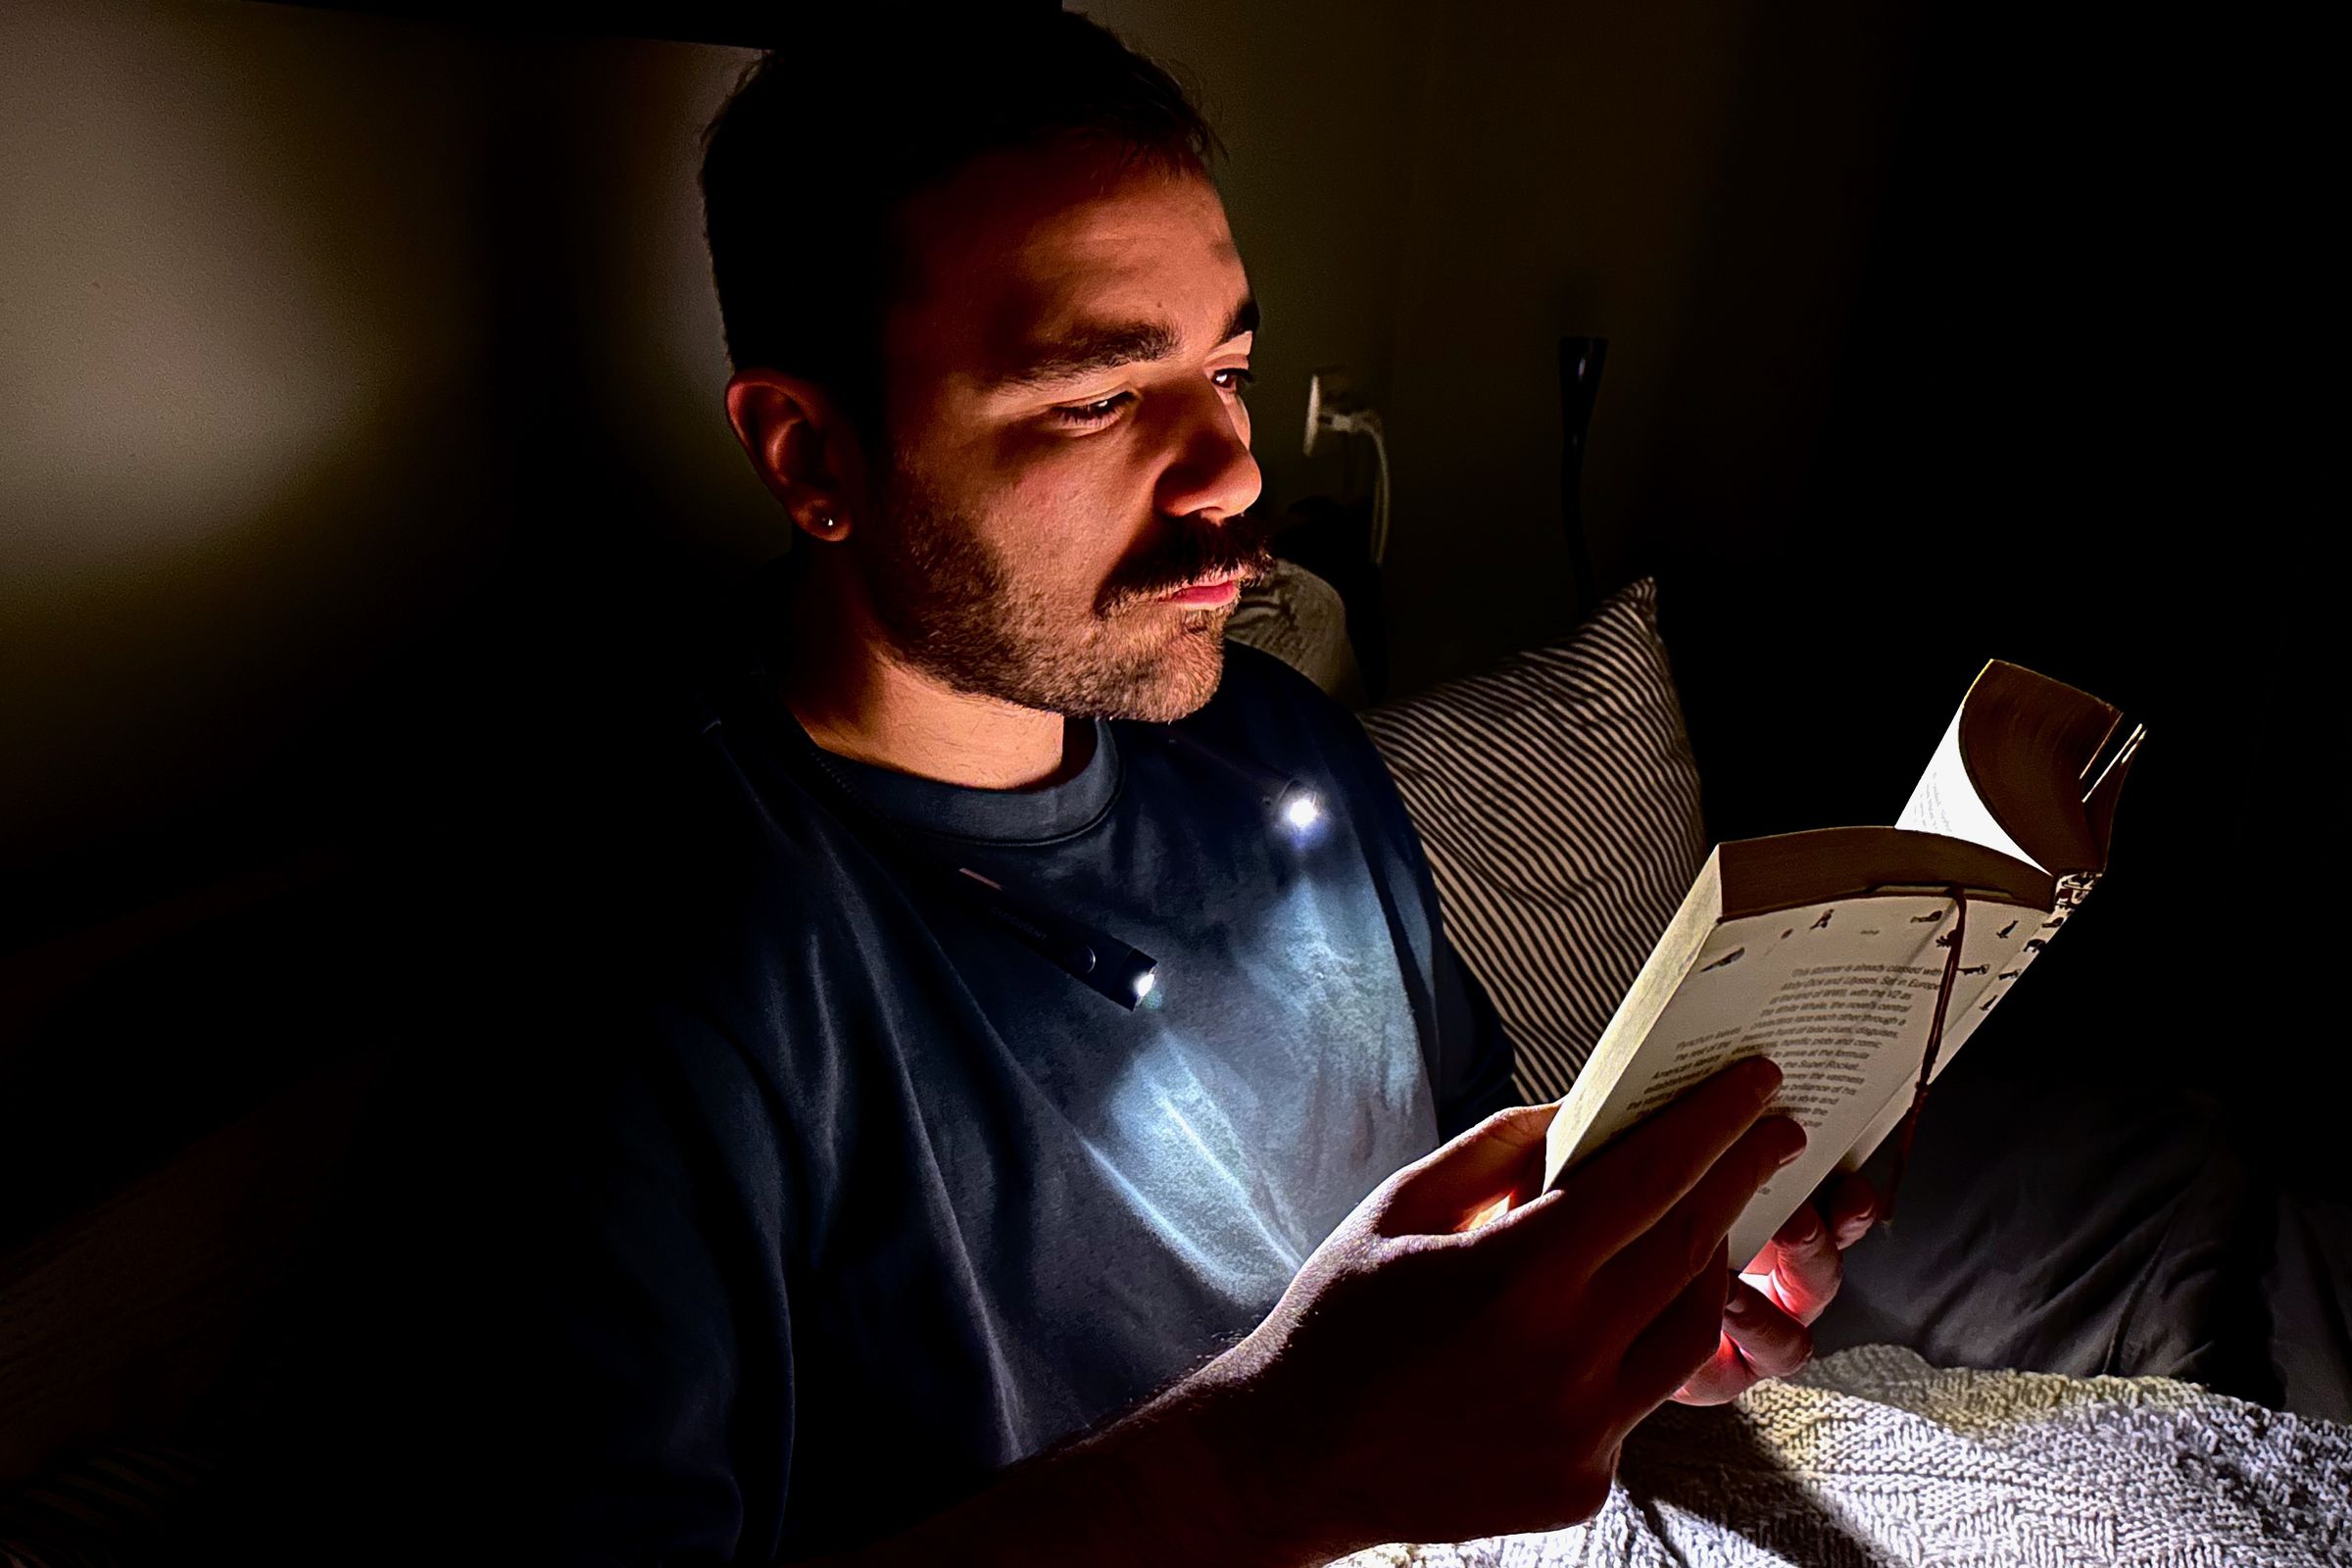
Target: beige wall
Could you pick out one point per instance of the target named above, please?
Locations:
(281, 291)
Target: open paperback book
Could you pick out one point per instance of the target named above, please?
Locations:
(1833, 951)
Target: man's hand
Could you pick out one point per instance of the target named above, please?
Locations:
(1767, 1332)
(1430, 1377)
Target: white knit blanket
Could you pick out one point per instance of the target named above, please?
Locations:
(1873, 1457)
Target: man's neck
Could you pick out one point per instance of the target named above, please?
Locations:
(856, 702)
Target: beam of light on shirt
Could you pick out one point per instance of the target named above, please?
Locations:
(1244, 1150)
(1215, 1195)
(1207, 1207)
(1250, 1201)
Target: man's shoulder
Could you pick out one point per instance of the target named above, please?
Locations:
(663, 824)
(1263, 675)
(1259, 690)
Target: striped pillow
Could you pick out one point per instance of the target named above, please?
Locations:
(1557, 801)
(111, 1506)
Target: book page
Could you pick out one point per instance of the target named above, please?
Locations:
(1945, 802)
(2013, 767)
(1839, 995)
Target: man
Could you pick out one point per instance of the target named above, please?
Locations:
(864, 1221)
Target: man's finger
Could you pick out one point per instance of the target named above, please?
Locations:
(1805, 1269)
(1772, 1342)
(1852, 1208)
(1502, 1155)
(1623, 1190)
(1665, 1355)
(1631, 1288)
(1725, 1377)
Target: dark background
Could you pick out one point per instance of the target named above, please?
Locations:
(2079, 377)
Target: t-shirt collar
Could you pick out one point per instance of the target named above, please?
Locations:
(967, 812)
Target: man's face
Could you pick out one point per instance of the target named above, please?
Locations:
(1054, 469)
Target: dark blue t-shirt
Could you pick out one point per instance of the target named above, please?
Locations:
(845, 1196)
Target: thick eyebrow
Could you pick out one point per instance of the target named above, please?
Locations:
(1092, 347)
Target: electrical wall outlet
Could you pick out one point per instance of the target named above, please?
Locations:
(1330, 389)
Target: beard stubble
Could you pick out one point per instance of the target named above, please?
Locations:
(954, 609)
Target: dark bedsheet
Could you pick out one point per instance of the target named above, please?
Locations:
(2091, 1223)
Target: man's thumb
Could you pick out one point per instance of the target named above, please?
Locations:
(1503, 1156)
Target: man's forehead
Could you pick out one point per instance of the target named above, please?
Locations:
(1053, 305)
(1064, 256)
(1054, 289)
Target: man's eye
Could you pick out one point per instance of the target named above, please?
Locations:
(1092, 413)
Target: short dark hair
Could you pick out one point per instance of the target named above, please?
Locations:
(821, 139)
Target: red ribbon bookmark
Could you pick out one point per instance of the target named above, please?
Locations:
(1927, 1063)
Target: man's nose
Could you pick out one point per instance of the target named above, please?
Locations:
(1214, 469)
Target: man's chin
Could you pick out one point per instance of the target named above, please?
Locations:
(1185, 687)
(1183, 681)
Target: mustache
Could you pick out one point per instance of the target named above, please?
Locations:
(1186, 555)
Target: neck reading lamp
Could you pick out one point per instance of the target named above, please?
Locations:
(1286, 800)
(1116, 969)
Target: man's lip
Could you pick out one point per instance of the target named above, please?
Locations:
(1212, 592)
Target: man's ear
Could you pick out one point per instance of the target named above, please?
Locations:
(802, 446)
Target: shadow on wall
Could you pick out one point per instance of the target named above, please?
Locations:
(328, 332)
